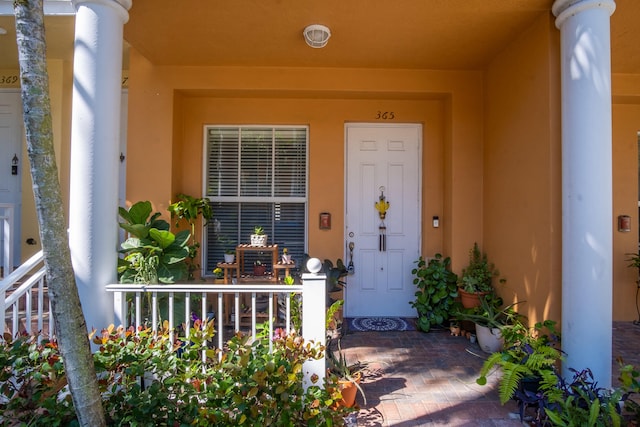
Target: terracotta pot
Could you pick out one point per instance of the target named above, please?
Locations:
(470, 299)
(349, 390)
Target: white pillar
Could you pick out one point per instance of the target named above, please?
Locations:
(587, 220)
(314, 314)
(95, 132)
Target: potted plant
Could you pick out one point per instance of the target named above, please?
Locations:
(476, 278)
(529, 354)
(152, 253)
(437, 291)
(218, 275)
(349, 375)
(286, 258)
(490, 319)
(229, 256)
(258, 238)
(189, 208)
(259, 269)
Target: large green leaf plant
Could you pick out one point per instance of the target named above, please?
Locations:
(152, 253)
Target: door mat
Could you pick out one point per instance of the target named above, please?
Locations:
(384, 324)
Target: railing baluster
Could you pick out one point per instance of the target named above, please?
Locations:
(171, 338)
(154, 311)
(138, 311)
(288, 312)
(40, 308)
(27, 311)
(221, 321)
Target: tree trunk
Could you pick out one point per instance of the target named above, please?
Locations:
(70, 325)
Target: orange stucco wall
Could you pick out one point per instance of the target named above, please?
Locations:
(522, 205)
(169, 106)
(491, 151)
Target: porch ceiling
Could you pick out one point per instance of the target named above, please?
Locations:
(424, 34)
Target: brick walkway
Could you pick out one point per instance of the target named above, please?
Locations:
(419, 379)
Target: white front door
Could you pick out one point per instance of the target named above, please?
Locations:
(382, 159)
(10, 184)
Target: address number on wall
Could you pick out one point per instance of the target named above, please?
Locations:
(9, 80)
(385, 115)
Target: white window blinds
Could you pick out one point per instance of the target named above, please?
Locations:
(256, 175)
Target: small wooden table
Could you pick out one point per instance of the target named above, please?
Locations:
(241, 249)
(278, 266)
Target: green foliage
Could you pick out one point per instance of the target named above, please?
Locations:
(258, 230)
(152, 253)
(437, 291)
(331, 318)
(190, 208)
(479, 273)
(31, 377)
(581, 402)
(334, 274)
(528, 352)
(490, 313)
(146, 380)
(634, 259)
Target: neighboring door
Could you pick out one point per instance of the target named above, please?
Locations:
(389, 157)
(10, 184)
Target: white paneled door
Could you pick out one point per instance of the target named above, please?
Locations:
(382, 160)
(10, 174)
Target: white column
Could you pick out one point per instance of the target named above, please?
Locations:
(587, 219)
(314, 314)
(95, 132)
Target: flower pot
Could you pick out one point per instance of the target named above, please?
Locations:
(229, 258)
(258, 240)
(259, 270)
(286, 259)
(490, 340)
(349, 390)
(470, 299)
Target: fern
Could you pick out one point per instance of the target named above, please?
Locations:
(512, 374)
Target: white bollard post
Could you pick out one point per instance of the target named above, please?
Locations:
(313, 323)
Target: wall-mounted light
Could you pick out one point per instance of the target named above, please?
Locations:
(316, 35)
(14, 165)
(435, 221)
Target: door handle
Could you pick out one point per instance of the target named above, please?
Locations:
(350, 267)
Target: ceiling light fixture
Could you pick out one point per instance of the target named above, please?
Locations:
(316, 35)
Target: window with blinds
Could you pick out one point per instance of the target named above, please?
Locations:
(255, 176)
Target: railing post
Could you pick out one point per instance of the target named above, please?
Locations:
(313, 323)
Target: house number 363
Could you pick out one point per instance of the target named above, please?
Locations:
(385, 115)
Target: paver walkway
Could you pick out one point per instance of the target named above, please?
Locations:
(420, 379)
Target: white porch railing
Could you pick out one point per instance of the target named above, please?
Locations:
(23, 297)
(128, 309)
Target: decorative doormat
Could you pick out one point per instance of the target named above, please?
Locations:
(384, 324)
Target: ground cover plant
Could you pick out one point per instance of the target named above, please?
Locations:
(146, 380)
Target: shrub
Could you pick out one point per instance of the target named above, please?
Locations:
(147, 380)
(437, 291)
